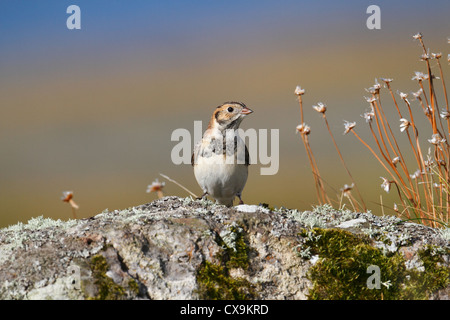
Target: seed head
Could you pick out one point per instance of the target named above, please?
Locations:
(395, 161)
(155, 186)
(396, 208)
(445, 114)
(348, 126)
(372, 90)
(403, 95)
(321, 108)
(347, 188)
(299, 91)
(425, 56)
(404, 124)
(386, 185)
(417, 93)
(377, 85)
(370, 99)
(67, 196)
(417, 36)
(416, 174)
(387, 80)
(436, 139)
(419, 76)
(368, 116)
(303, 129)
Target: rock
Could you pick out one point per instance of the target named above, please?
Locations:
(175, 248)
(351, 223)
(250, 208)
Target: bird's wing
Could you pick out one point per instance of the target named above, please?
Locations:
(247, 156)
(238, 143)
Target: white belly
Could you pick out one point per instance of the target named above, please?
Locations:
(221, 181)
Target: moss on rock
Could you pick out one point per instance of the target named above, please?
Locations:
(342, 269)
(235, 249)
(435, 276)
(215, 283)
(107, 288)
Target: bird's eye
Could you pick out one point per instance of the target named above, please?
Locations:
(230, 109)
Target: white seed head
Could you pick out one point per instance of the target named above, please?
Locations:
(372, 90)
(370, 99)
(387, 80)
(386, 185)
(416, 174)
(436, 55)
(403, 95)
(436, 139)
(377, 85)
(155, 186)
(348, 126)
(445, 114)
(347, 188)
(404, 124)
(419, 76)
(321, 108)
(417, 36)
(299, 91)
(303, 129)
(368, 116)
(67, 195)
(417, 93)
(425, 56)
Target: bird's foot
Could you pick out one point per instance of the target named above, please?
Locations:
(240, 199)
(202, 196)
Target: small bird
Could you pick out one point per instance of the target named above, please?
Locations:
(221, 158)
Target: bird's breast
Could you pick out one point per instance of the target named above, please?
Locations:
(218, 178)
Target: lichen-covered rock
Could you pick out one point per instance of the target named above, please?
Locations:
(176, 248)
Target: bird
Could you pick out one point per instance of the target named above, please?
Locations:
(221, 158)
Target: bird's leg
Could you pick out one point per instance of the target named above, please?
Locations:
(202, 196)
(239, 196)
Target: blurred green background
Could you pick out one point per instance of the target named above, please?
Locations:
(92, 110)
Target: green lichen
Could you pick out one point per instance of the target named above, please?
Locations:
(342, 269)
(215, 283)
(236, 250)
(16, 235)
(436, 275)
(445, 233)
(40, 223)
(107, 288)
(311, 220)
(214, 280)
(133, 286)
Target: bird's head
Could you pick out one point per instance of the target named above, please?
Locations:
(229, 115)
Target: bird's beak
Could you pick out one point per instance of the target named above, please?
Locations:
(246, 111)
